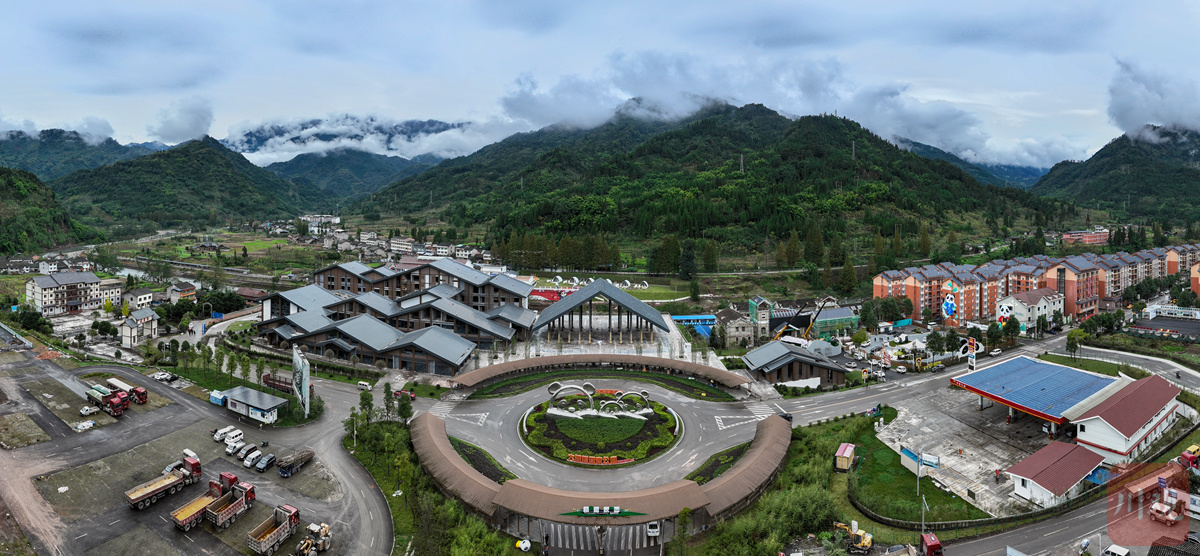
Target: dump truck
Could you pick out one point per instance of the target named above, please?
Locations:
(121, 396)
(110, 404)
(859, 541)
(176, 476)
(228, 508)
(930, 545)
(136, 393)
(266, 538)
(192, 513)
(319, 539)
(292, 463)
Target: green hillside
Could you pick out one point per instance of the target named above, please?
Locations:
(31, 218)
(687, 179)
(197, 181)
(1134, 177)
(350, 172)
(54, 153)
(1006, 175)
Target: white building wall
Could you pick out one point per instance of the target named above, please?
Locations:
(1096, 431)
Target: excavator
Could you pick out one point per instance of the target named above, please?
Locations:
(859, 541)
(319, 539)
(807, 329)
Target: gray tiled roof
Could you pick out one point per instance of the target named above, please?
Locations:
(254, 398)
(510, 284)
(309, 321)
(146, 313)
(64, 278)
(606, 289)
(378, 303)
(514, 314)
(472, 317)
(463, 272)
(439, 342)
(369, 331)
(310, 297)
(776, 354)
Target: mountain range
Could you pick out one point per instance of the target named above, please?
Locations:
(1006, 175)
(31, 219)
(350, 172)
(336, 131)
(54, 153)
(1154, 173)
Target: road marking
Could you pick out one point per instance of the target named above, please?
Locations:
(115, 522)
(343, 523)
(163, 518)
(188, 538)
(372, 514)
(1058, 531)
(81, 536)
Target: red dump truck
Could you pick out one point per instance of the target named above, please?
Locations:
(136, 393)
(228, 508)
(266, 538)
(121, 396)
(110, 404)
(192, 513)
(176, 476)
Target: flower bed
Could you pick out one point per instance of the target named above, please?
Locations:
(559, 438)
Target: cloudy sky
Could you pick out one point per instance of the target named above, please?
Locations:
(1025, 82)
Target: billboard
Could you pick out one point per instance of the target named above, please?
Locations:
(300, 379)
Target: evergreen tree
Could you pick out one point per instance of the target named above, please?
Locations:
(781, 255)
(710, 256)
(897, 245)
(694, 290)
(793, 250)
(813, 249)
(827, 276)
(924, 243)
(687, 260)
(836, 250)
(849, 279)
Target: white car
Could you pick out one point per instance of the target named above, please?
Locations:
(858, 357)
(652, 529)
(995, 352)
(851, 365)
(900, 370)
(232, 449)
(251, 459)
(89, 410)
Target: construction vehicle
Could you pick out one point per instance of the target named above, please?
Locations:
(266, 538)
(122, 397)
(859, 541)
(228, 508)
(136, 393)
(1165, 513)
(930, 545)
(807, 328)
(176, 476)
(111, 404)
(319, 539)
(292, 463)
(192, 513)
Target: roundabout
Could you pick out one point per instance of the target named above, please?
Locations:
(556, 480)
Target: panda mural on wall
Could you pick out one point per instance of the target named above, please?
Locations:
(949, 307)
(1003, 313)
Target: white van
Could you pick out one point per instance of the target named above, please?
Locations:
(251, 459)
(233, 437)
(220, 434)
(1114, 550)
(364, 385)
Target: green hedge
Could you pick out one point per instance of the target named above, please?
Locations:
(538, 424)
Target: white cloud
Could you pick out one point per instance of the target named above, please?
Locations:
(25, 126)
(1139, 96)
(93, 130)
(186, 119)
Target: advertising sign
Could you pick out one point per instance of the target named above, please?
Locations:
(301, 382)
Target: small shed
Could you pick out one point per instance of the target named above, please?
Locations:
(844, 457)
(217, 397)
(254, 404)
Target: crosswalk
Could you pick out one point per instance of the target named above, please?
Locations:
(587, 538)
(442, 409)
(758, 412)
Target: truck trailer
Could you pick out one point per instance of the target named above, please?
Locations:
(121, 396)
(176, 476)
(192, 513)
(110, 403)
(292, 463)
(228, 508)
(138, 394)
(266, 538)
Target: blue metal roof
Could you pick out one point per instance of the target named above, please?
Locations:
(1038, 385)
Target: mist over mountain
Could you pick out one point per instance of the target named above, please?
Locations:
(53, 153)
(1004, 175)
(278, 141)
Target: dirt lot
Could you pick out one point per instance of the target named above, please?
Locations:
(17, 430)
(139, 540)
(12, 540)
(11, 357)
(64, 403)
(91, 488)
(235, 535)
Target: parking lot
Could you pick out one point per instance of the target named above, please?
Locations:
(64, 402)
(970, 443)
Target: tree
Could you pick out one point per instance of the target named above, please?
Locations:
(827, 274)
(1012, 329)
(1074, 338)
(952, 341)
(792, 252)
(1042, 326)
(781, 256)
(923, 244)
(905, 306)
(813, 249)
(927, 314)
(125, 308)
(1057, 319)
(687, 260)
(867, 318)
(935, 342)
(694, 290)
(976, 333)
(366, 405)
(710, 256)
(683, 524)
(301, 227)
(404, 409)
(994, 334)
(849, 280)
(859, 338)
(389, 402)
(259, 370)
(108, 306)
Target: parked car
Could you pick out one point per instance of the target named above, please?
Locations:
(851, 365)
(399, 393)
(995, 352)
(89, 410)
(265, 463)
(858, 357)
(251, 459)
(234, 448)
(160, 376)
(245, 451)
(652, 529)
(900, 370)
(786, 416)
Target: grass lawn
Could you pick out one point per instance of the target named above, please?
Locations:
(1100, 367)
(14, 284)
(261, 244)
(240, 326)
(425, 390)
(658, 293)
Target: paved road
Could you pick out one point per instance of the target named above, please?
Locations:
(358, 515)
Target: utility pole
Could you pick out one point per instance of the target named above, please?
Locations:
(742, 163)
(853, 154)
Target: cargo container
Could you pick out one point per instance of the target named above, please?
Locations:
(292, 463)
(136, 393)
(266, 538)
(176, 476)
(228, 508)
(110, 403)
(192, 513)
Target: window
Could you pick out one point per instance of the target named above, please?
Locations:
(1024, 483)
(1082, 428)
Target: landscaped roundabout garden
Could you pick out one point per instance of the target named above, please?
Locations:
(599, 428)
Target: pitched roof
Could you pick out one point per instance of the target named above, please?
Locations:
(309, 321)
(1135, 405)
(378, 303)
(183, 286)
(462, 271)
(439, 342)
(310, 297)
(1058, 467)
(369, 331)
(606, 289)
(140, 292)
(775, 354)
(510, 284)
(514, 314)
(726, 316)
(1033, 297)
(254, 398)
(146, 313)
(472, 317)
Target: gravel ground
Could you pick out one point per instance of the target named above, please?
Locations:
(139, 540)
(64, 403)
(17, 430)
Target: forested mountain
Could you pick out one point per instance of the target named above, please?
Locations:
(31, 218)
(351, 172)
(199, 180)
(736, 175)
(1007, 175)
(1155, 174)
(54, 153)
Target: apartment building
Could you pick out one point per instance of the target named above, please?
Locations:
(64, 293)
(1079, 280)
